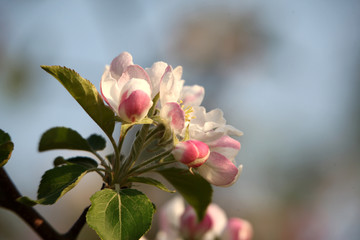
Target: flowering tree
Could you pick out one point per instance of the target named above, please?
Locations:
(190, 147)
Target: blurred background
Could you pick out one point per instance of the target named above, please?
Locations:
(286, 73)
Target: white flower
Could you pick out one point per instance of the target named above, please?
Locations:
(175, 98)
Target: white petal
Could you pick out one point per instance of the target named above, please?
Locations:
(192, 95)
(133, 71)
(169, 217)
(155, 73)
(199, 114)
(216, 116)
(110, 90)
(219, 218)
(230, 130)
(120, 63)
(170, 87)
(178, 73)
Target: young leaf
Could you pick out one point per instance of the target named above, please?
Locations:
(6, 147)
(55, 183)
(150, 181)
(195, 190)
(85, 93)
(123, 215)
(62, 138)
(97, 142)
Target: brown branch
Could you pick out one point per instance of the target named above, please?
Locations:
(78, 225)
(8, 196)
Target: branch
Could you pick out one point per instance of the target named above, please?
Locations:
(8, 196)
(78, 225)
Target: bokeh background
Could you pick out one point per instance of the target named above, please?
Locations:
(287, 73)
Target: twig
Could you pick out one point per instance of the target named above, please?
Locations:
(8, 196)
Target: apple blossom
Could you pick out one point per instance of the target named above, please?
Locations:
(210, 128)
(175, 99)
(237, 229)
(126, 88)
(178, 221)
(192, 153)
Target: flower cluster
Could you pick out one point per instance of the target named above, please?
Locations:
(200, 139)
(178, 221)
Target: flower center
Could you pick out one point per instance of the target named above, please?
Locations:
(188, 112)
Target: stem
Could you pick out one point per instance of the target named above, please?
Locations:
(124, 130)
(8, 196)
(151, 138)
(148, 169)
(102, 160)
(116, 166)
(136, 149)
(157, 157)
(99, 171)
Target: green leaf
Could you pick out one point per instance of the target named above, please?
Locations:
(126, 214)
(85, 93)
(150, 181)
(195, 190)
(4, 137)
(63, 138)
(6, 147)
(55, 183)
(97, 142)
(82, 161)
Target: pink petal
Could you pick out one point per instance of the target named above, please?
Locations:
(135, 100)
(190, 228)
(218, 170)
(174, 114)
(120, 63)
(192, 153)
(226, 146)
(238, 229)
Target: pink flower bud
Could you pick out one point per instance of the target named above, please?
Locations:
(135, 100)
(237, 229)
(192, 153)
(191, 228)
